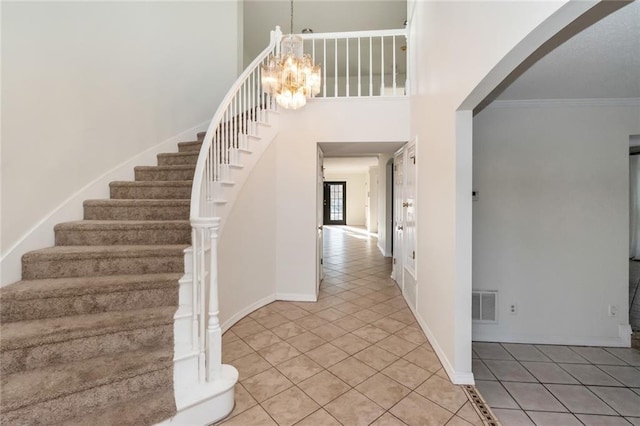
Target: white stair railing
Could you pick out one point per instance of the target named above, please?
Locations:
(360, 63)
(357, 64)
(236, 119)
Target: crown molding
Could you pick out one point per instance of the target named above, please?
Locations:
(555, 103)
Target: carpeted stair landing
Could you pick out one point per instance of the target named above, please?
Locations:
(87, 335)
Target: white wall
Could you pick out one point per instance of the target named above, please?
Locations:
(385, 202)
(551, 224)
(352, 120)
(373, 189)
(356, 195)
(88, 85)
(453, 47)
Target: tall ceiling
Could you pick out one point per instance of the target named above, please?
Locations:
(262, 16)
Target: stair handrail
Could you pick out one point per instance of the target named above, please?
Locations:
(234, 120)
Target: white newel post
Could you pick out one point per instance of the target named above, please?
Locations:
(214, 332)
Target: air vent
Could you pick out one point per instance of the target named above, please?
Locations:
(484, 306)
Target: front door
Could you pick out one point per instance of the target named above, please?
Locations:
(335, 203)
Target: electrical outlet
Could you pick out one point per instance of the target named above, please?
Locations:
(613, 310)
(513, 309)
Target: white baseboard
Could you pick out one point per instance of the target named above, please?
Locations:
(296, 297)
(41, 234)
(381, 249)
(246, 311)
(619, 341)
(456, 377)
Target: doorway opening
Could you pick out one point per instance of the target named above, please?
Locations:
(335, 203)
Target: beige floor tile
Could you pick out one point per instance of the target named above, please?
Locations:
(406, 373)
(443, 393)
(396, 345)
(457, 421)
(235, 350)
(319, 418)
(289, 407)
(329, 332)
(250, 365)
(288, 330)
(272, 320)
(389, 324)
(354, 409)
(324, 387)
(299, 368)
(293, 313)
(415, 410)
(326, 355)
(279, 353)
(243, 401)
(246, 329)
(349, 323)
(468, 413)
(382, 390)
(376, 358)
(352, 371)
(404, 316)
(266, 384)
(330, 314)
(350, 343)
(412, 334)
(388, 419)
(229, 337)
(367, 315)
(255, 416)
(306, 341)
(261, 340)
(371, 334)
(311, 321)
(265, 311)
(348, 308)
(424, 358)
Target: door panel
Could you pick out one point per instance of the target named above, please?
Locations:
(398, 219)
(335, 203)
(319, 221)
(410, 211)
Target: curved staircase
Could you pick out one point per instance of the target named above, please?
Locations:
(87, 336)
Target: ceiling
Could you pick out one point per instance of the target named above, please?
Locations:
(262, 16)
(349, 165)
(601, 61)
(355, 157)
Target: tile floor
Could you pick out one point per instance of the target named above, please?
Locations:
(559, 385)
(356, 357)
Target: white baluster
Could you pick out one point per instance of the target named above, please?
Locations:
(335, 72)
(381, 66)
(393, 70)
(214, 333)
(324, 69)
(359, 70)
(347, 71)
(370, 66)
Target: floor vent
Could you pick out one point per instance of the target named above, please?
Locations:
(484, 306)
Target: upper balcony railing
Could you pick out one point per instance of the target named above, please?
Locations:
(360, 63)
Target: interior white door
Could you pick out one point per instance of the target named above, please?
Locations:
(409, 281)
(398, 217)
(319, 221)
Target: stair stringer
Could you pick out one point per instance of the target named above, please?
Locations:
(197, 402)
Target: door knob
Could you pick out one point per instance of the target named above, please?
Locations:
(400, 228)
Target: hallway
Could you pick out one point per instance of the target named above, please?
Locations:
(356, 357)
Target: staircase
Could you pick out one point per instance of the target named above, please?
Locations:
(88, 334)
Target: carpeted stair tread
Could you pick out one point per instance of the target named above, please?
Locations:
(178, 158)
(178, 172)
(149, 409)
(77, 261)
(22, 334)
(56, 297)
(126, 232)
(151, 189)
(137, 209)
(99, 252)
(189, 146)
(43, 384)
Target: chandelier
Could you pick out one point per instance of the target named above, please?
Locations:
(291, 77)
